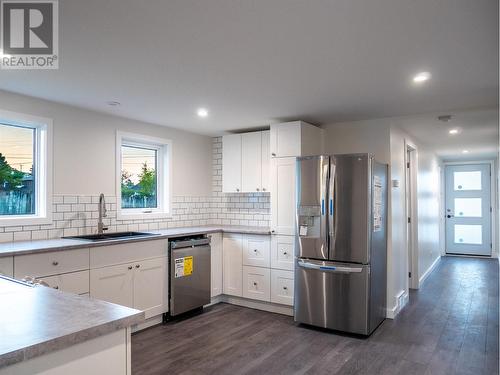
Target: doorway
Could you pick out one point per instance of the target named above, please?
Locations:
(468, 211)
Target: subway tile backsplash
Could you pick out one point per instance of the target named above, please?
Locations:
(77, 214)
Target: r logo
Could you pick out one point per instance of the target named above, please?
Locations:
(30, 34)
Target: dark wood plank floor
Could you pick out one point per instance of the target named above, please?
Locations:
(449, 327)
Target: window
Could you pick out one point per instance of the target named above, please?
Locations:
(25, 178)
(143, 176)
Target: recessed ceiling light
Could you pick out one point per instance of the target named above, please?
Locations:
(465, 151)
(453, 131)
(421, 77)
(113, 103)
(202, 112)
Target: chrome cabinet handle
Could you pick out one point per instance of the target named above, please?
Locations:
(55, 263)
(257, 189)
(263, 189)
(56, 287)
(255, 251)
(237, 189)
(285, 288)
(137, 266)
(273, 154)
(255, 284)
(285, 253)
(130, 267)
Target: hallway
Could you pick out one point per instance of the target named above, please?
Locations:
(450, 326)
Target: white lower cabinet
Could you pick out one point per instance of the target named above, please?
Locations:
(73, 282)
(256, 249)
(282, 287)
(151, 286)
(113, 284)
(7, 266)
(216, 261)
(142, 285)
(257, 283)
(282, 252)
(232, 265)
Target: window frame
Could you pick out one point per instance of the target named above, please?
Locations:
(163, 148)
(43, 168)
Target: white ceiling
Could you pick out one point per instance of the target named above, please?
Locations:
(478, 134)
(255, 62)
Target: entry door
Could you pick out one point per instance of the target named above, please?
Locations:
(468, 209)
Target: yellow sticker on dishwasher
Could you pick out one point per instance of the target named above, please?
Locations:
(188, 266)
(184, 266)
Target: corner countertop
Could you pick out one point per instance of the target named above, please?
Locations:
(39, 320)
(38, 246)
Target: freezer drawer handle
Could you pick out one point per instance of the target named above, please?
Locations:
(330, 268)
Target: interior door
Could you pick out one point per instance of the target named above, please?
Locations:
(468, 209)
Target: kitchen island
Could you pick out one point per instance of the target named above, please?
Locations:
(45, 331)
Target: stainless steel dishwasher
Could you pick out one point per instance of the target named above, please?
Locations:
(189, 287)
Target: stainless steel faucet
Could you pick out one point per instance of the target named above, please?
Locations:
(102, 213)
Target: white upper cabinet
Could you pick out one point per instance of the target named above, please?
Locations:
(231, 163)
(245, 162)
(295, 138)
(251, 162)
(283, 196)
(266, 160)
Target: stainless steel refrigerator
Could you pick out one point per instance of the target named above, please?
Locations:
(341, 242)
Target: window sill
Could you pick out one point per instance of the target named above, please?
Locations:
(15, 221)
(142, 215)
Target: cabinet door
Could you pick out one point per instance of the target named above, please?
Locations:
(151, 286)
(251, 162)
(232, 268)
(7, 266)
(266, 160)
(231, 163)
(216, 264)
(73, 282)
(256, 250)
(283, 196)
(285, 139)
(282, 287)
(113, 284)
(282, 252)
(257, 283)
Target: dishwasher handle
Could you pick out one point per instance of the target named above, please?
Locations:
(189, 243)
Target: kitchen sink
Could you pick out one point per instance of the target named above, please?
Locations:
(110, 236)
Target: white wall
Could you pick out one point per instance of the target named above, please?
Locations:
(429, 209)
(84, 148)
(362, 136)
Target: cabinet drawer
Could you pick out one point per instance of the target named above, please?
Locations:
(127, 252)
(282, 287)
(74, 282)
(7, 266)
(282, 252)
(53, 263)
(256, 250)
(256, 283)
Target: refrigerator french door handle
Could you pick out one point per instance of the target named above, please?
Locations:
(339, 269)
(331, 193)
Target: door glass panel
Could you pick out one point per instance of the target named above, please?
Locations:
(467, 180)
(469, 234)
(468, 207)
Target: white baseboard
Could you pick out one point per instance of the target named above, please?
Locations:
(428, 272)
(148, 323)
(401, 300)
(258, 305)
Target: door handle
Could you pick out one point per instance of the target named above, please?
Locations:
(336, 269)
(450, 216)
